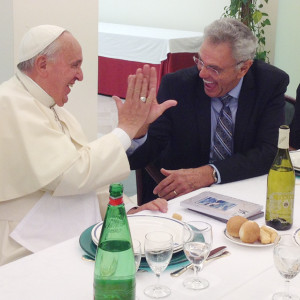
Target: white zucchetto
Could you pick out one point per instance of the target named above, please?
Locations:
(37, 39)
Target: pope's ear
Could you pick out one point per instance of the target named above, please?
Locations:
(41, 65)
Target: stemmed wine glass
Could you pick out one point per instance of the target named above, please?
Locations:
(286, 256)
(136, 245)
(197, 242)
(158, 252)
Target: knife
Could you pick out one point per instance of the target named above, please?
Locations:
(212, 254)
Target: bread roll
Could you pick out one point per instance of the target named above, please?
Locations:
(234, 224)
(267, 235)
(177, 216)
(249, 232)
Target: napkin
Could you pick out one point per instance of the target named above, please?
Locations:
(55, 219)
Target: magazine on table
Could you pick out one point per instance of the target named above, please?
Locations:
(295, 157)
(222, 207)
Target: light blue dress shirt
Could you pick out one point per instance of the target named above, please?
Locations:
(216, 107)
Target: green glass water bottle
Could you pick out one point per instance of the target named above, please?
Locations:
(281, 186)
(114, 274)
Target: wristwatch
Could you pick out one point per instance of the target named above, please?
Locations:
(215, 175)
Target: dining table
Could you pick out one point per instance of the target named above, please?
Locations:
(248, 273)
(123, 48)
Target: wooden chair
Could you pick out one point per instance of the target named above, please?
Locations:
(290, 103)
(155, 174)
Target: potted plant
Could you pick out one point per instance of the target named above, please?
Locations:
(251, 15)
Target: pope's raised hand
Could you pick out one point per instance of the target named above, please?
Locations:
(134, 114)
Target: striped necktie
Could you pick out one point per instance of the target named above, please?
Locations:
(223, 142)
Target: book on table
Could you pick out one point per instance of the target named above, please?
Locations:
(222, 207)
(295, 157)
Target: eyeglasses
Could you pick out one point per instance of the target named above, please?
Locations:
(213, 71)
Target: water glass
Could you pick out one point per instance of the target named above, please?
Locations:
(158, 252)
(197, 242)
(137, 251)
(286, 254)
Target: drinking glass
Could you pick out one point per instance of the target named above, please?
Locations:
(286, 254)
(158, 252)
(136, 245)
(197, 242)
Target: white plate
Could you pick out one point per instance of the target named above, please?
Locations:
(297, 236)
(140, 225)
(239, 242)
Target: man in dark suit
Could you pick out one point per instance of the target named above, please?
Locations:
(182, 141)
(295, 125)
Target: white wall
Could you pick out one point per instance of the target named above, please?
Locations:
(270, 31)
(287, 47)
(6, 40)
(81, 19)
(191, 15)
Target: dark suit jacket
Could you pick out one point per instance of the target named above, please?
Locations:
(295, 125)
(181, 137)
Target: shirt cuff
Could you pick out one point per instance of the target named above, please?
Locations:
(219, 175)
(136, 143)
(129, 206)
(123, 137)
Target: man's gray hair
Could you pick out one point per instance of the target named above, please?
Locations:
(50, 52)
(228, 30)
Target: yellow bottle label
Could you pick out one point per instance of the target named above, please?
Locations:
(280, 205)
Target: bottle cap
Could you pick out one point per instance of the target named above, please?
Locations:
(116, 194)
(116, 190)
(283, 139)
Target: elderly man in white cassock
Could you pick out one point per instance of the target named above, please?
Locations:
(50, 175)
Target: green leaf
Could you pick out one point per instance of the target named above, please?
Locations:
(257, 20)
(233, 10)
(265, 23)
(257, 15)
(261, 55)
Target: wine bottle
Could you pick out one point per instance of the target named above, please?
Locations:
(114, 274)
(281, 186)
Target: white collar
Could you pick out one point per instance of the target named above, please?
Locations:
(35, 90)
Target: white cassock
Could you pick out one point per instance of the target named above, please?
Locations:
(49, 173)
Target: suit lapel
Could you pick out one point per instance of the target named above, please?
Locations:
(246, 102)
(202, 105)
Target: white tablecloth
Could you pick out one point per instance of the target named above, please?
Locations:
(248, 273)
(144, 44)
